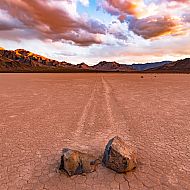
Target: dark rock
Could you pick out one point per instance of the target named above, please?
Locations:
(75, 162)
(119, 155)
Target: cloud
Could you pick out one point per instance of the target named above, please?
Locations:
(179, 1)
(7, 22)
(84, 2)
(69, 54)
(169, 48)
(80, 38)
(186, 18)
(151, 18)
(121, 8)
(110, 9)
(154, 26)
(143, 8)
(118, 30)
(162, 48)
(51, 21)
(135, 30)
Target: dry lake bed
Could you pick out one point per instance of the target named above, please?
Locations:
(40, 114)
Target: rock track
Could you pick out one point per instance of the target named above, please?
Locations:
(42, 113)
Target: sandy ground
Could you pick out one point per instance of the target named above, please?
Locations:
(42, 113)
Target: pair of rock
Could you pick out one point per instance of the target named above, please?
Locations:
(119, 156)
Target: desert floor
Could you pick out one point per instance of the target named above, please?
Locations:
(40, 114)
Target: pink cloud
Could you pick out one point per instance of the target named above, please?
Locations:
(51, 22)
(154, 26)
(150, 19)
(122, 7)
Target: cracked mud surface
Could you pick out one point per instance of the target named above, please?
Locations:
(40, 114)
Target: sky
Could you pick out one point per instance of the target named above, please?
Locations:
(90, 31)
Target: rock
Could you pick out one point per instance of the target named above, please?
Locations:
(75, 162)
(119, 155)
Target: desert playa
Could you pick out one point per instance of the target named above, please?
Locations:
(40, 114)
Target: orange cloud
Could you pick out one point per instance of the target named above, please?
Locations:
(155, 26)
(141, 8)
(150, 19)
(122, 7)
(125, 6)
(52, 22)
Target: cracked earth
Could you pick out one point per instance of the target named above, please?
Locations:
(40, 114)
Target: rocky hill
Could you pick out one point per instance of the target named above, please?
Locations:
(83, 66)
(143, 67)
(22, 60)
(112, 66)
(176, 66)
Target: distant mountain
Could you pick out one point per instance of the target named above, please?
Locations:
(164, 66)
(83, 66)
(22, 60)
(143, 67)
(176, 66)
(112, 66)
(7, 64)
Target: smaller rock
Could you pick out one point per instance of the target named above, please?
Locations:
(75, 162)
(119, 155)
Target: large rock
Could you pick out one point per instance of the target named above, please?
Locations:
(75, 162)
(119, 155)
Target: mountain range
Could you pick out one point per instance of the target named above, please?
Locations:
(146, 66)
(21, 60)
(176, 66)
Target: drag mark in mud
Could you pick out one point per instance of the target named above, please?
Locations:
(108, 106)
(118, 122)
(85, 112)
